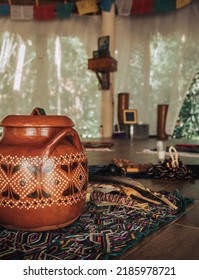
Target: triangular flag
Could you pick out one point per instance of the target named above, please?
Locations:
(182, 3)
(124, 7)
(64, 10)
(4, 9)
(87, 7)
(21, 12)
(105, 5)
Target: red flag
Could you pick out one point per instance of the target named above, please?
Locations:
(142, 7)
(46, 12)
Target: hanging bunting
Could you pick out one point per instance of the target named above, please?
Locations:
(182, 3)
(21, 2)
(64, 11)
(124, 7)
(105, 5)
(142, 7)
(164, 6)
(21, 12)
(45, 12)
(4, 10)
(87, 7)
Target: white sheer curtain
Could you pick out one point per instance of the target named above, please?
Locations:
(157, 59)
(44, 64)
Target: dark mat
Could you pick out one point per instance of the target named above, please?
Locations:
(111, 223)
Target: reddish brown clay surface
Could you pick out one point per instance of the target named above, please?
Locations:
(43, 172)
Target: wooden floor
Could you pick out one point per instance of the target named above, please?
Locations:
(178, 240)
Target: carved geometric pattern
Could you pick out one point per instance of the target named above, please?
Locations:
(32, 182)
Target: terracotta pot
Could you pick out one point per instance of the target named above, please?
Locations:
(43, 172)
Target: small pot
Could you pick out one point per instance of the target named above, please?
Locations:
(43, 172)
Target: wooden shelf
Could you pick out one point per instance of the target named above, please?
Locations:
(102, 64)
(102, 67)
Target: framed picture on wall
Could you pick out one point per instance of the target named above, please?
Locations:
(103, 43)
(130, 116)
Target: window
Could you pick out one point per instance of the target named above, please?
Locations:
(188, 121)
(43, 67)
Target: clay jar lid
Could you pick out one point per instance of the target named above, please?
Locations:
(38, 118)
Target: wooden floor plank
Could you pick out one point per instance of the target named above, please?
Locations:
(173, 243)
(191, 218)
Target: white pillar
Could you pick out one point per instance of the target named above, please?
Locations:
(107, 101)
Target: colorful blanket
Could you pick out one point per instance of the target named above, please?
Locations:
(112, 222)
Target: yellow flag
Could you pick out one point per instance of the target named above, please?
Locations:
(182, 3)
(87, 6)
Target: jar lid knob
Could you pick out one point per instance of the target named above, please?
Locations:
(38, 111)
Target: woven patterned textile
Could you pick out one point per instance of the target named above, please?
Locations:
(101, 232)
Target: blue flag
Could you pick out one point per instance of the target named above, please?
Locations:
(4, 10)
(64, 10)
(105, 5)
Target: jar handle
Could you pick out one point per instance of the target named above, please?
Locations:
(68, 132)
(38, 111)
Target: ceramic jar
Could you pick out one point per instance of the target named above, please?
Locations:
(43, 172)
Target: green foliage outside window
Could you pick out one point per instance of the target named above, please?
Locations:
(188, 121)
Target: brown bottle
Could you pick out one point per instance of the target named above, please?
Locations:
(123, 103)
(161, 121)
